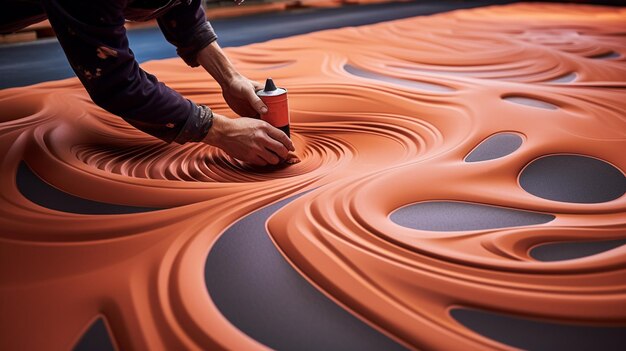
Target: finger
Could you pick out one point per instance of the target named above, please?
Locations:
(277, 148)
(257, 86)
(292, 158)
(269, 157)
(258, 161)
(255, 101)
(278, 134)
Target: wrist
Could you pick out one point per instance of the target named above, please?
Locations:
(217, 130)
(217, 64)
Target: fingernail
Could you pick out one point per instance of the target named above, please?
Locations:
(263, 109)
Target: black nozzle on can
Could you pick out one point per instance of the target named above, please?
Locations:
(269, 85)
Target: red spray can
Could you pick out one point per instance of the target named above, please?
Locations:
(277, 108)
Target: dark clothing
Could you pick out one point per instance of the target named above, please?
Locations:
(93, 37)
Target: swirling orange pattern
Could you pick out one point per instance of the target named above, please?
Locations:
(369, 145)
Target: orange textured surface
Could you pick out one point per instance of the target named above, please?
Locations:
(375, 146)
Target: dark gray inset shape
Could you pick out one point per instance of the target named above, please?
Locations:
(96, 338)
(606, 56)
(570, 250)
(43, 194)
(526, 101)
(529, 334)
(566, 78)
(496, 146)
(404, 82)
(258, 291)
(573, 178)
(451, 216)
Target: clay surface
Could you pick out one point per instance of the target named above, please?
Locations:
(368, 146)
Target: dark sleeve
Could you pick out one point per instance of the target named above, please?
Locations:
(186, 27)
(93, 37)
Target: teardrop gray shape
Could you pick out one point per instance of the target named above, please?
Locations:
(562, 251)
(404, 82)
(496, 146)
(532, 102)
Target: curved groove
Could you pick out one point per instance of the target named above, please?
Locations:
(530, 334)
(96, 338)
(566, 78)
(495, 146)
(443, 216)
(532, 102)
(562, 251)
(260, 293)
(404, 82)
(573, 178)
(43, 194)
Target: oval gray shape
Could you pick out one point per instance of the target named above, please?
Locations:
(530, 334)
(404, 82)
(495, 146)
(450, 216)
(36, 190)
(260, 293)
(532, 102)
(573, 178)
(562, 251)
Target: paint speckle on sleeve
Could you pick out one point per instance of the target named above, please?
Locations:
(105, 52)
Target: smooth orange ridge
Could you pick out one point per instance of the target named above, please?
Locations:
(370, 146)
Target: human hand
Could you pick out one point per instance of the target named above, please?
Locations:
(240, 94)
(250, 140)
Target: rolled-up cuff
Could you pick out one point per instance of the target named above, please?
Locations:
(202, 36)
(197, 125)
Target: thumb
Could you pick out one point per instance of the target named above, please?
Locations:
(256, 101)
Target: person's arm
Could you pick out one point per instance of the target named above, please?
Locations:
(93, 37)
(247, 139)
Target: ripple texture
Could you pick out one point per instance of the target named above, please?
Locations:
(383, 117)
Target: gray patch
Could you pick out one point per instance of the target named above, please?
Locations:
(573, 178)
(526, 101)
(96, 338)
(261, 294)
(566, 78)
(606, 56)
(562, 251)
(450, 216)
(43, 194)
(529, 334)
(496, 146)
(403, 82)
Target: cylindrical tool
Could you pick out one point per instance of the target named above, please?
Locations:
(277, 108)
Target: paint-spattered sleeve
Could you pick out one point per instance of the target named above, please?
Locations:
(93, 37)
(186, 27)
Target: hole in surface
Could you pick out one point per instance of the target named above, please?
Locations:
(96, 338)
(43, 194)
(562, 251)
(573, 178)
(459, 216)
(404, 82)
(566, 78)
(526, 101)
(261, 294)
(530, 334)
(495, 146)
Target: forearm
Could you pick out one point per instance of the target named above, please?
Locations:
(217, 64)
